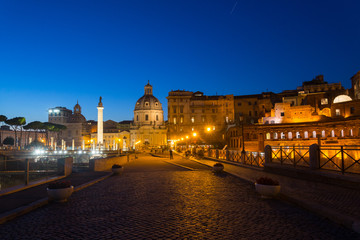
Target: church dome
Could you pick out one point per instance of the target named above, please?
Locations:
(77, 117)
(148, 101)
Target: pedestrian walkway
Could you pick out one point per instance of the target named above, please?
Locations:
(15, 204)
(339, 204)
(156, 200)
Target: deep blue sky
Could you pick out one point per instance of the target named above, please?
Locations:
(53, 53)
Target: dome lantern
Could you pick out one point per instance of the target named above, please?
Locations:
(148, 89)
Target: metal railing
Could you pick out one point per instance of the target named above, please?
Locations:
(340, 158)
(254, 159)
(295, 156)
(249, 158)
(18, 172)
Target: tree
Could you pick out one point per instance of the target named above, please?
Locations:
(16, 124)
(53, 127)
(36, 126)
(2, 119)
(9, 141)
(48, 126)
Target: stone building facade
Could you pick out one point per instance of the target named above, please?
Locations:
(148, 128)
(207, 116)
(319, 113)
(74, 121)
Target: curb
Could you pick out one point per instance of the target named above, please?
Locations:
(33, 184)
(10, 215)
(339, 218)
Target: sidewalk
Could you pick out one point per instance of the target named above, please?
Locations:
(18, 203)
(339, 204)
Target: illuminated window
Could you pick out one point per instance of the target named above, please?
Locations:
(174, 120)
(323, 133)
(192, 119)
(227, 119)
(342, 133)
(297, 135)
(351, 132)
(324, 101)
(306, 134)
(268, 135)
(275, 135)
(332, 133)
(337, 112)
(290, 135)
(282, 135)
(314, 134)
(181, 119)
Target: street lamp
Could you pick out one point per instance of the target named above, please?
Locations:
(119, 147)
(135, 148)
(242, 136)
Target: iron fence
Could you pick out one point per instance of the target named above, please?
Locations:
(295, 156)
(23, 171)
(340, 158)
(254, 159)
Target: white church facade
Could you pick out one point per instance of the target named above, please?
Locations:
(148, 128)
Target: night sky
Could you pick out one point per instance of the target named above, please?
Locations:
(53, 53)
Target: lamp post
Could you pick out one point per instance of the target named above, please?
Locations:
(242, 136)
(135, 148)
(118, 147)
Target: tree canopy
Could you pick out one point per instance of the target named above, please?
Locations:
(3, 118)
(16, 122)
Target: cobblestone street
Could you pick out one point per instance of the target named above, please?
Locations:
(157, 200)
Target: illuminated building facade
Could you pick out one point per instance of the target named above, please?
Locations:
(327, 117)
(208, 116)
(355, 85)
(74, 121)
(148, 127)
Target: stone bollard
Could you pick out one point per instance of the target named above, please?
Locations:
(227, 155)
(314, 153)
(217, 154)
(268, 154)
(65, 166)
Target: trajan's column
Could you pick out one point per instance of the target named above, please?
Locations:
(100, 136)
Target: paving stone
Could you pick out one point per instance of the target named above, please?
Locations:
(163, 202)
